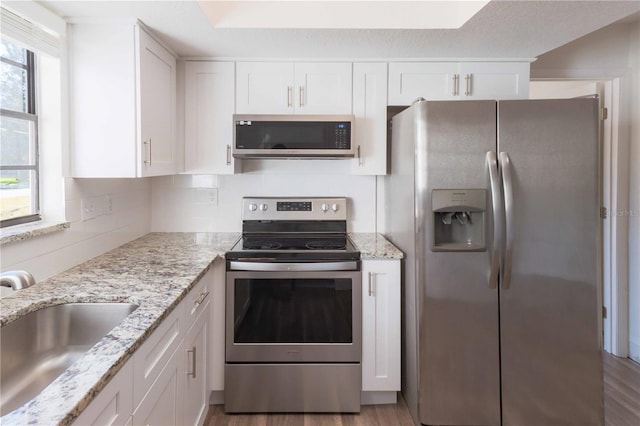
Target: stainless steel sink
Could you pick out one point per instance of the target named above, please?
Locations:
(36, 348)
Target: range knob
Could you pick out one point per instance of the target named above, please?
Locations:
(334, 207)
(253, 207)
(264, 207)
(324, 207)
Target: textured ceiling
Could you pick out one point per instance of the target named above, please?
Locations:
(502, 29)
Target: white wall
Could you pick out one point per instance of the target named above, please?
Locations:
(212, 203)
(53, 253)
(610, 53)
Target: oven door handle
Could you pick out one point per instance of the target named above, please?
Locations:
(293, 267)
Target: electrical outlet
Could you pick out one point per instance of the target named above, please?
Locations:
(93, 207)
(208, 196)
(89, 208)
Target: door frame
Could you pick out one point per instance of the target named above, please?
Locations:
(614, 276)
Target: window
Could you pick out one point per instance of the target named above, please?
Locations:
(19, 162)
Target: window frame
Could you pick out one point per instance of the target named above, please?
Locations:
(30, 115)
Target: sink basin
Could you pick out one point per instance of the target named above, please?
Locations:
(36, 348)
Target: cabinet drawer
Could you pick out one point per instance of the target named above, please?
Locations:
(196, 300)
(153, 355)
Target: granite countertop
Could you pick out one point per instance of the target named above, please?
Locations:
(375, 246)
(155, 272)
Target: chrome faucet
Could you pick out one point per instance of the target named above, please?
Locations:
(17, 280)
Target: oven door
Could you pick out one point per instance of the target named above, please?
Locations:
(293, 316)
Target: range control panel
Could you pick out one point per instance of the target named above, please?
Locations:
(312, 208)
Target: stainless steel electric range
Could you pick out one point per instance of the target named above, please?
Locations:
(294, 309)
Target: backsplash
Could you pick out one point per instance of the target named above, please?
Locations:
(192, 203)
(127, 219)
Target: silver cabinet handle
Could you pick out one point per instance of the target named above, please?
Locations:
(359, 157)
(496, 199)
(507, 184)
(200, 299)
(148, 143)
(467, 80)
(289, 93)
(192, 372)
(371, 283)
(455, 85)
(228, 155)
(301, 97)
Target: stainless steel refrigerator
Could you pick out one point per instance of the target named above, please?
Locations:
(496, 207)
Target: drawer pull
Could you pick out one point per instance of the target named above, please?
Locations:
(200, 299)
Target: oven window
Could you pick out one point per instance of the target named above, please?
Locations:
(293, 311)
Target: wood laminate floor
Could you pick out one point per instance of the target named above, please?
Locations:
(621, 388)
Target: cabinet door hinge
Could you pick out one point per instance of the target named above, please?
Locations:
(603, 212)
(604, 312)
(604, 113)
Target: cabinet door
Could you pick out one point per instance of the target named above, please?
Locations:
(323, 88)
(156, 99)
(498, 80)
(150, 359)
(264, 88)
(430, 80)
(209, 107)
(196, 352)
(370, 111)
(102, 100)
(114, 404)
(164, 403)
(381, 325)
(217, 319)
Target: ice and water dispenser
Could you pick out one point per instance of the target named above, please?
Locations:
(459, 219)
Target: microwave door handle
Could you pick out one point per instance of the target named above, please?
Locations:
(293, 267)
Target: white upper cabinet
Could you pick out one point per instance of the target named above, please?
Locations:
(457, 80)
(157, 106)
(494, 80)
(288, 88)
(323, 88)
(430, 80)
(123, 102)
(209, 108)
(370, 111)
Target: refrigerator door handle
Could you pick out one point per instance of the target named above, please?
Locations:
(507, 183)
(496, 202)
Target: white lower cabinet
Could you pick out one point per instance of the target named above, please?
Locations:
(217, 336)
(112, 406)
(381, 325)
(166, 382)
(163, 404)
(196, 387)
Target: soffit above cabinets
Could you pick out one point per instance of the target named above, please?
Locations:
(334, 14)
(499, 30)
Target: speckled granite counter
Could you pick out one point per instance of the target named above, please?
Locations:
(375, 246)
(154, 272)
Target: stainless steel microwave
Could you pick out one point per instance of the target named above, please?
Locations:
(285, 136)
